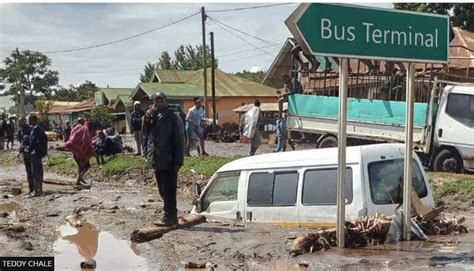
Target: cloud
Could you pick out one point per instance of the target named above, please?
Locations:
(49, 27)
(255, 69)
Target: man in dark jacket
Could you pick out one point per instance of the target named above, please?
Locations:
(24, 139)
(136, 121)
(164, 130)
(37, 150)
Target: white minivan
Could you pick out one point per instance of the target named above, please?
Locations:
(299, 188)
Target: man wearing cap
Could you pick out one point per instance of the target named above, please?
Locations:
(163, 129)
(193, 125)
(136, 123)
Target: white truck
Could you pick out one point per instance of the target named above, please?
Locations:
(443, 126)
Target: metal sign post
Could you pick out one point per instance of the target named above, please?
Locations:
(341, 154)
(408, 168)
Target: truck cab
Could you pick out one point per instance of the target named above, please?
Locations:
(453, 139)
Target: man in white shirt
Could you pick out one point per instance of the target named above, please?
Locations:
(193, 126)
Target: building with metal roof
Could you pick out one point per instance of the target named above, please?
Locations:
(181, 86)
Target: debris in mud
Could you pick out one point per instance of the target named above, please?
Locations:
(443, 225)
(27, 246)
(16, 191)
(7, 196)
(52, 215)
(16, 228)
(367, 232)
(4, 214)
(150, 233)
(89, 264)
(207, 265)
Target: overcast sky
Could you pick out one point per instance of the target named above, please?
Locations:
(52, 27)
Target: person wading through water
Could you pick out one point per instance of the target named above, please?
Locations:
(80, 144)
(163, 128)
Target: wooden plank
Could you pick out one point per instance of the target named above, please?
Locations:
(417, 206)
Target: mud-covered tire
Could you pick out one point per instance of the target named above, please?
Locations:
(447, 161)
(327, 142)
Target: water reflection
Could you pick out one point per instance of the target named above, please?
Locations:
(86, 242)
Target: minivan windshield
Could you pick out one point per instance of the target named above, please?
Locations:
(386, 181)
(223, 188)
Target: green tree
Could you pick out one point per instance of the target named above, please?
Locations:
(145, 77)
(253, 76)
(100, 117)
(461, 14)
(185, 57)
(164, 63)
(84, 91)
(43, 107)
(29, 72)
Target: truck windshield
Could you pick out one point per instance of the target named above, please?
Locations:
(461, 108)
(223, 188)
(386, 181)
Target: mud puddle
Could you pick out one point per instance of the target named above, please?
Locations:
(75, 245)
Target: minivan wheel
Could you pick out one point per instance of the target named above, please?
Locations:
(447, 161)
(328, 142)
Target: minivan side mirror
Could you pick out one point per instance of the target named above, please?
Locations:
(197, 200)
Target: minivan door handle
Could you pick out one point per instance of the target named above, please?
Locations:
(440, 132)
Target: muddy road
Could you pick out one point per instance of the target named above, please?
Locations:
(111, 210)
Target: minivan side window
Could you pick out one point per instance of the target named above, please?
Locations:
(386, 181)
(320, 186)
(224, 188)
(272, 189)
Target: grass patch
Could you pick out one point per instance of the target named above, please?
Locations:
(452, 188)
(122, 163)
(204, 165)
(461, 190)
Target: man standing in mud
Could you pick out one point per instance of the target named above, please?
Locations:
(163, 128)
(37, 149)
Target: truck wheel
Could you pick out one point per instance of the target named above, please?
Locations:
(447, 161)
(328, 142)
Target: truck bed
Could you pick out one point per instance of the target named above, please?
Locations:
(366, 119)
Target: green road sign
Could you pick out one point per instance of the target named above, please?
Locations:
(361, 32)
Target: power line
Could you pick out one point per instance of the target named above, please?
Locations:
(245, 33)
(248, 42)
(123, 39)
(244, 51)
(240, 58)
(245, 8)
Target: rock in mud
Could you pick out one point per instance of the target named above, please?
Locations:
(89, 264)
(4, 214)
(16, 191)
(27, 246)
(16, 228)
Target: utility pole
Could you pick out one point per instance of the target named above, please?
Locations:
(204, 52)
(213, 84)
(20, 90)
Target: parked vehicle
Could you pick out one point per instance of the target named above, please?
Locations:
(299, 188)
(443, 131)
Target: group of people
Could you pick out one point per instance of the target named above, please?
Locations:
(192, 125)
(7, 132)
